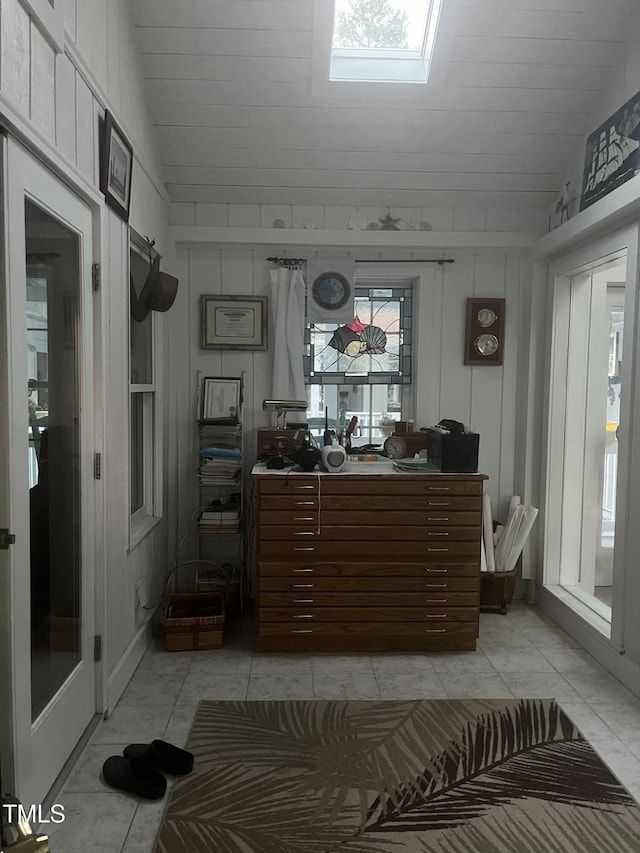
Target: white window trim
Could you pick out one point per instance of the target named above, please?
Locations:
(145, 519)
(49, 20)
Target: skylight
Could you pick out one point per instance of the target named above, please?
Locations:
(383, 41)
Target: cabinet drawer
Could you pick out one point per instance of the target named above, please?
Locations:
(397, 549)
(353, 533)
(391, 518)
(312, 598)
(391, 574)
(372, 503)
(428, 615)
(371, 630)
(361, 585)
(370, 484)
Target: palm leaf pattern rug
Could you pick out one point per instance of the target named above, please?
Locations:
(459, 776)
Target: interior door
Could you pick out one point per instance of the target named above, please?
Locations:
(48, 487)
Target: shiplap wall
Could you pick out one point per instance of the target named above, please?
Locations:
(60, 98)
(482, 397)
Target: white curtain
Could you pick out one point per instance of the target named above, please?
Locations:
(287, 314)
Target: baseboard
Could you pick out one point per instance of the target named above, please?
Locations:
(127, 665)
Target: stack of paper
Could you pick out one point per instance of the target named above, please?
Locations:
(220, 466)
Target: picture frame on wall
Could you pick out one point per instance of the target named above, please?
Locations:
(234, 322)
(221, 399)
(116, 166)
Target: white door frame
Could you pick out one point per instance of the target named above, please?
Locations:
(560, 272)
(23, 771)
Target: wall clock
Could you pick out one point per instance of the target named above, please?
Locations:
(331, 291)
(484, 337)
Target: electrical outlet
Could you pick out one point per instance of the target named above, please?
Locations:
(141, 593)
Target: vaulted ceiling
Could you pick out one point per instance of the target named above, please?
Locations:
(241, 115)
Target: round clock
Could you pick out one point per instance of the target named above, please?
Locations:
(486, 344)
(486, 317)
(395, 447)
(331, 290)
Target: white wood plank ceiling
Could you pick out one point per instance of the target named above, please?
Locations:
(238, 119)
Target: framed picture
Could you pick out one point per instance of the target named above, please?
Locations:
(612, 155)
(484, 336)
(234, 322)
(221, 399)
(116, 163)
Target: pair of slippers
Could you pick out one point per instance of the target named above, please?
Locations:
(140, 767)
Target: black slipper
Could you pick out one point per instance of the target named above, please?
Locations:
(163, 756)
(135, 775)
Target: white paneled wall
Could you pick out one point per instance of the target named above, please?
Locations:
(481, 397)
(58, 101)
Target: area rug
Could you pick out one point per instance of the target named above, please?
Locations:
(459, 776)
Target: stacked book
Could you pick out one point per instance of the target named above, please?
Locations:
(214, 521)
(220, 466)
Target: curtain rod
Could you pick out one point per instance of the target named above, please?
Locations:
(297, 262)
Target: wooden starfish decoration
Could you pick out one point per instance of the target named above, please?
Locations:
(389, 223)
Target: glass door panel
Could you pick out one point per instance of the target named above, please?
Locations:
(52, 265)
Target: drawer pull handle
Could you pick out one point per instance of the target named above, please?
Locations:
(435, 630)
(436, 615)
(436, 600)
(305, 533)
(439, 488)
(431, 585)
(439, 503)
(304, 503)
(437, 518)
(302, 630)
(303, 615)
(437, 549)
(432, 533)
(305, 585)
(299, 571)
(303, 487)
(304, 518)
(313, 549)
(437, 571)
(310, 600)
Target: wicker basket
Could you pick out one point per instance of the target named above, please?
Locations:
(496, 590)
(192, 621)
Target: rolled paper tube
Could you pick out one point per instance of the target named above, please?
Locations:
(487, 526)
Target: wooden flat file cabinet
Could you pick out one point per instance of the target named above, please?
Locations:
(368, 563)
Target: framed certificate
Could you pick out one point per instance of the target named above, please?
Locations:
(234, 322)
(221, 398)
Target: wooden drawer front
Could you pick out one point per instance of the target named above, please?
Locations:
(389, 484)
(301, 516)
(360, 585)
(348, 534)
(397, 549)
(463, 631)
(309, 598)
(428, 615)
(373, 503)
(300, 571)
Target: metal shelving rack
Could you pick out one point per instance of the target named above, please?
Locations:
(221, 534)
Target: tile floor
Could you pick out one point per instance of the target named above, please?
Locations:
(522, 654)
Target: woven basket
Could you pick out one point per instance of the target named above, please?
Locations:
(496, 590)
(192, 621)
